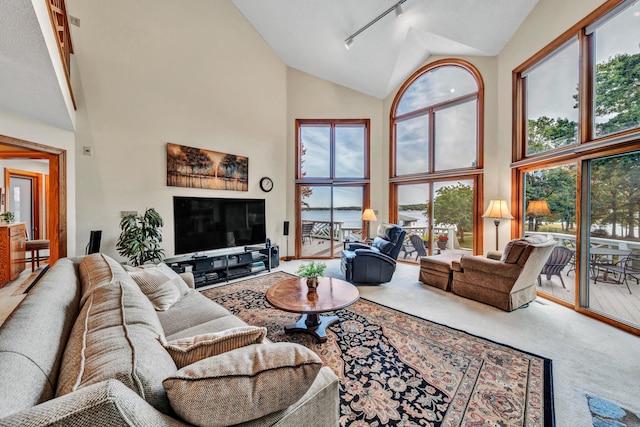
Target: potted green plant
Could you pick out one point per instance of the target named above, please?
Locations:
(140, 238)
(311, 272)
(7, 217)
(442, 241)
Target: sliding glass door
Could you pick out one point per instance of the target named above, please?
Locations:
(550, 209)
(612, 251)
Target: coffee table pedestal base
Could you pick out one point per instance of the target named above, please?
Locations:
(313, 324)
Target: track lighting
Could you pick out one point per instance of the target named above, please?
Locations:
(397, 8)
(348, 42)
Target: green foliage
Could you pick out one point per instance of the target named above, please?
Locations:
(7, 216)
(557, 186)
(140, 238)
(312, 269)
(544, 134)
(453, 206)
(617, 93)
(615, 193)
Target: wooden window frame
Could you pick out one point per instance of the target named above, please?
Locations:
(587, 148)
(586, 141)
(431, 176)
(331, 181)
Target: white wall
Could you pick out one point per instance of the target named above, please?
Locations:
(157, 71)
(310, 97)
(21, 127)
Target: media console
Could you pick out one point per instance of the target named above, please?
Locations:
(211, 269)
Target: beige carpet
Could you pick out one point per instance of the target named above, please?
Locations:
(589, 357)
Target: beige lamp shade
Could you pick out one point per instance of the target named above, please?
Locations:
(368, 215)
(497, 209)
(538, 208)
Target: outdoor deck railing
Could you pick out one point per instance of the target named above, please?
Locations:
(570, 240)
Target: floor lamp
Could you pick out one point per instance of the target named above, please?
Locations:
(367, 215)
(497, 210)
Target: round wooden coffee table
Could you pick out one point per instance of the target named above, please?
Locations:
(294, 296)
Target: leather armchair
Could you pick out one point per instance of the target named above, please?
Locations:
(375, 263)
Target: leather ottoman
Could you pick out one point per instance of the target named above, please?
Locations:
(437, 270)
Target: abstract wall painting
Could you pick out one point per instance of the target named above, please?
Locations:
(199, 168)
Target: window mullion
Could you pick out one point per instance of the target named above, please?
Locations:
(432, 138)
(586, 87)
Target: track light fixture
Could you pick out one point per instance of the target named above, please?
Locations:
(397, 8)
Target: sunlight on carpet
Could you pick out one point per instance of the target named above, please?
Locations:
(398, 369)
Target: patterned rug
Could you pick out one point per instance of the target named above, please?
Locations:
(397, 369)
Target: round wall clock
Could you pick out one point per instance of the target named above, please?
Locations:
(266, 184)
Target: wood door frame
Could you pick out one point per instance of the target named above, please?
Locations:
(56, 188)
(36, 195)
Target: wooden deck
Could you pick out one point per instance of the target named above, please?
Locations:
(606, 297)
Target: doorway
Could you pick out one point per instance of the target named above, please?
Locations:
(55, 225)
(24, 198)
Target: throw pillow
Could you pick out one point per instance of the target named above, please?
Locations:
(163, 286)
(185, 351)
(242, 384)
(383, 230)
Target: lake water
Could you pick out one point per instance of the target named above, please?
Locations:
(353, 218)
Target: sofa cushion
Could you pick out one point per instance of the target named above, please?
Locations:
(115, 337)
(97, 270)
(191, 310)
(218, 324)
(186, 351)
(33, 337)
(163, 286)
(246, 383)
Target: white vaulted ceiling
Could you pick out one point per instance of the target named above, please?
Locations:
(28, 81)
(309, 35)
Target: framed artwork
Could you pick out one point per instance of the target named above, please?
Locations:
(199, 168)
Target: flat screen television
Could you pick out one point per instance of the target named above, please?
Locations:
(205, 223)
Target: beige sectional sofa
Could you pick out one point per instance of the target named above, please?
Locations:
(87, 347)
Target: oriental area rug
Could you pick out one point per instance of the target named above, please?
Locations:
(396, 369)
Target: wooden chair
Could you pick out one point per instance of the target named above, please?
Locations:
(35, 246)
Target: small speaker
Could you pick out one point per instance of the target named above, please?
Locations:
(285, 228)
(273, 252)
(94, 242)
(268, 243)
(275, 256)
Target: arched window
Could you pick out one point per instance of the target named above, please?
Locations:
(436, 153)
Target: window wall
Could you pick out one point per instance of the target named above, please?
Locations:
(436, 155)
(332, 184)
(577, 136)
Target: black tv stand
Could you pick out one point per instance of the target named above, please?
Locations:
(211, 269)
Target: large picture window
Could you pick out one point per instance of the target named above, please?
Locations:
(332, 184)
(551, 92)
(435, 120)
(436, 155)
